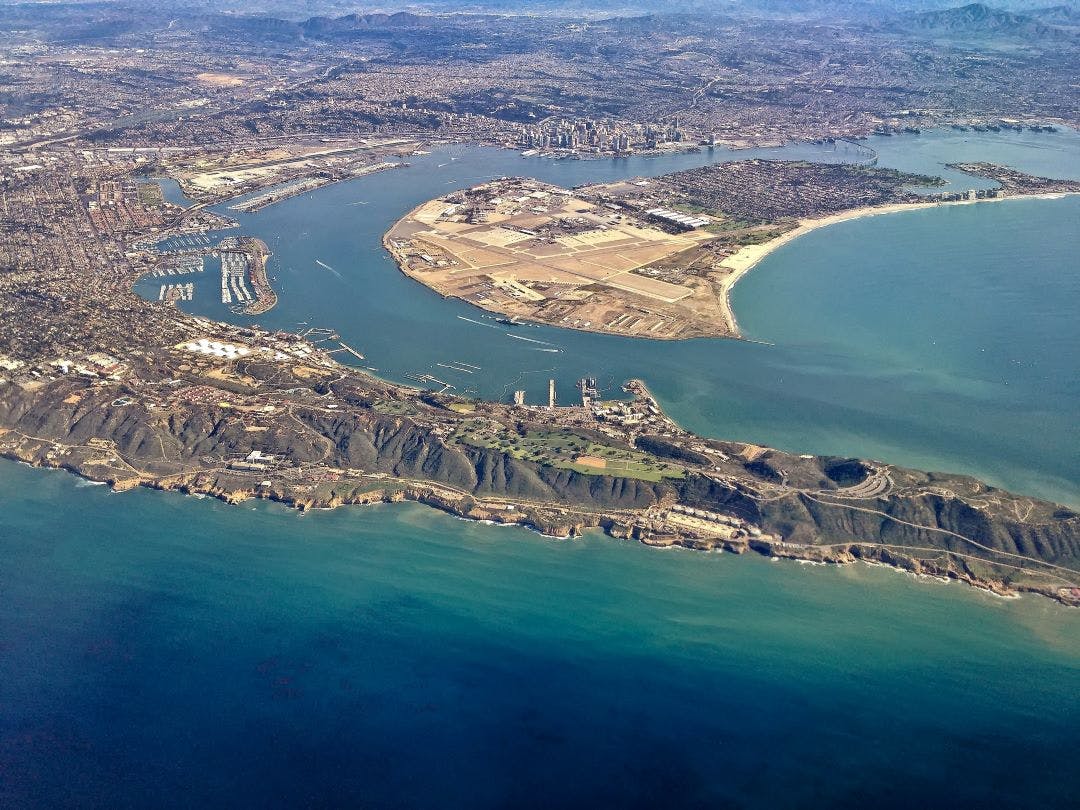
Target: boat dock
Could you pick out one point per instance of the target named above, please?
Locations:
(457, 367)
(427, 380)
(185, 265)
(233, 278)
(318, 334)
(177, 292)
(346, 347)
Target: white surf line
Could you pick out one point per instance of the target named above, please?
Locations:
(478, 323)
(530, 340)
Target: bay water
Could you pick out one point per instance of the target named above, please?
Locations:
(942, 339)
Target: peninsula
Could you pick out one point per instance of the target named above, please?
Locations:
(199, 207)
(99, 381)
(654, 258)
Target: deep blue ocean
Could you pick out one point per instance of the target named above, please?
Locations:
(165, 651)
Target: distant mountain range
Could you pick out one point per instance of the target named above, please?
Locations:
(1058, 15)
(296, 20)
(971, 21)
(298, 10)
(981, 20)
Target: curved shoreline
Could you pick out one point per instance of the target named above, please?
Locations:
(739, 263)
(747, 258)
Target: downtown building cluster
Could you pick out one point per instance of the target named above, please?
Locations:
(602, 136)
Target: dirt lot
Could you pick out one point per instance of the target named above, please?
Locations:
(525, 249)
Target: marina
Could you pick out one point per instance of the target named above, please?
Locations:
(183, 264)
(233, 278)
(190, 264)
(177, 292)
(283, 192)
(295, 188)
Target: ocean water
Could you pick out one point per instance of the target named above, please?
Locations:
(940, 339)
(162, 651)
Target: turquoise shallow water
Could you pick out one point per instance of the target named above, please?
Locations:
(941, 339)
(164, 651)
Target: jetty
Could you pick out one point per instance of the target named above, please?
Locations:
(346, 347)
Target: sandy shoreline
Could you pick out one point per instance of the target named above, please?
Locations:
(746, 258)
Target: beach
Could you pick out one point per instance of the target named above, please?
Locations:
(747, 258)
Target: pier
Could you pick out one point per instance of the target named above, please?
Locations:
(319, 334)
(346, 347)
(305, 184)
(428, 379)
